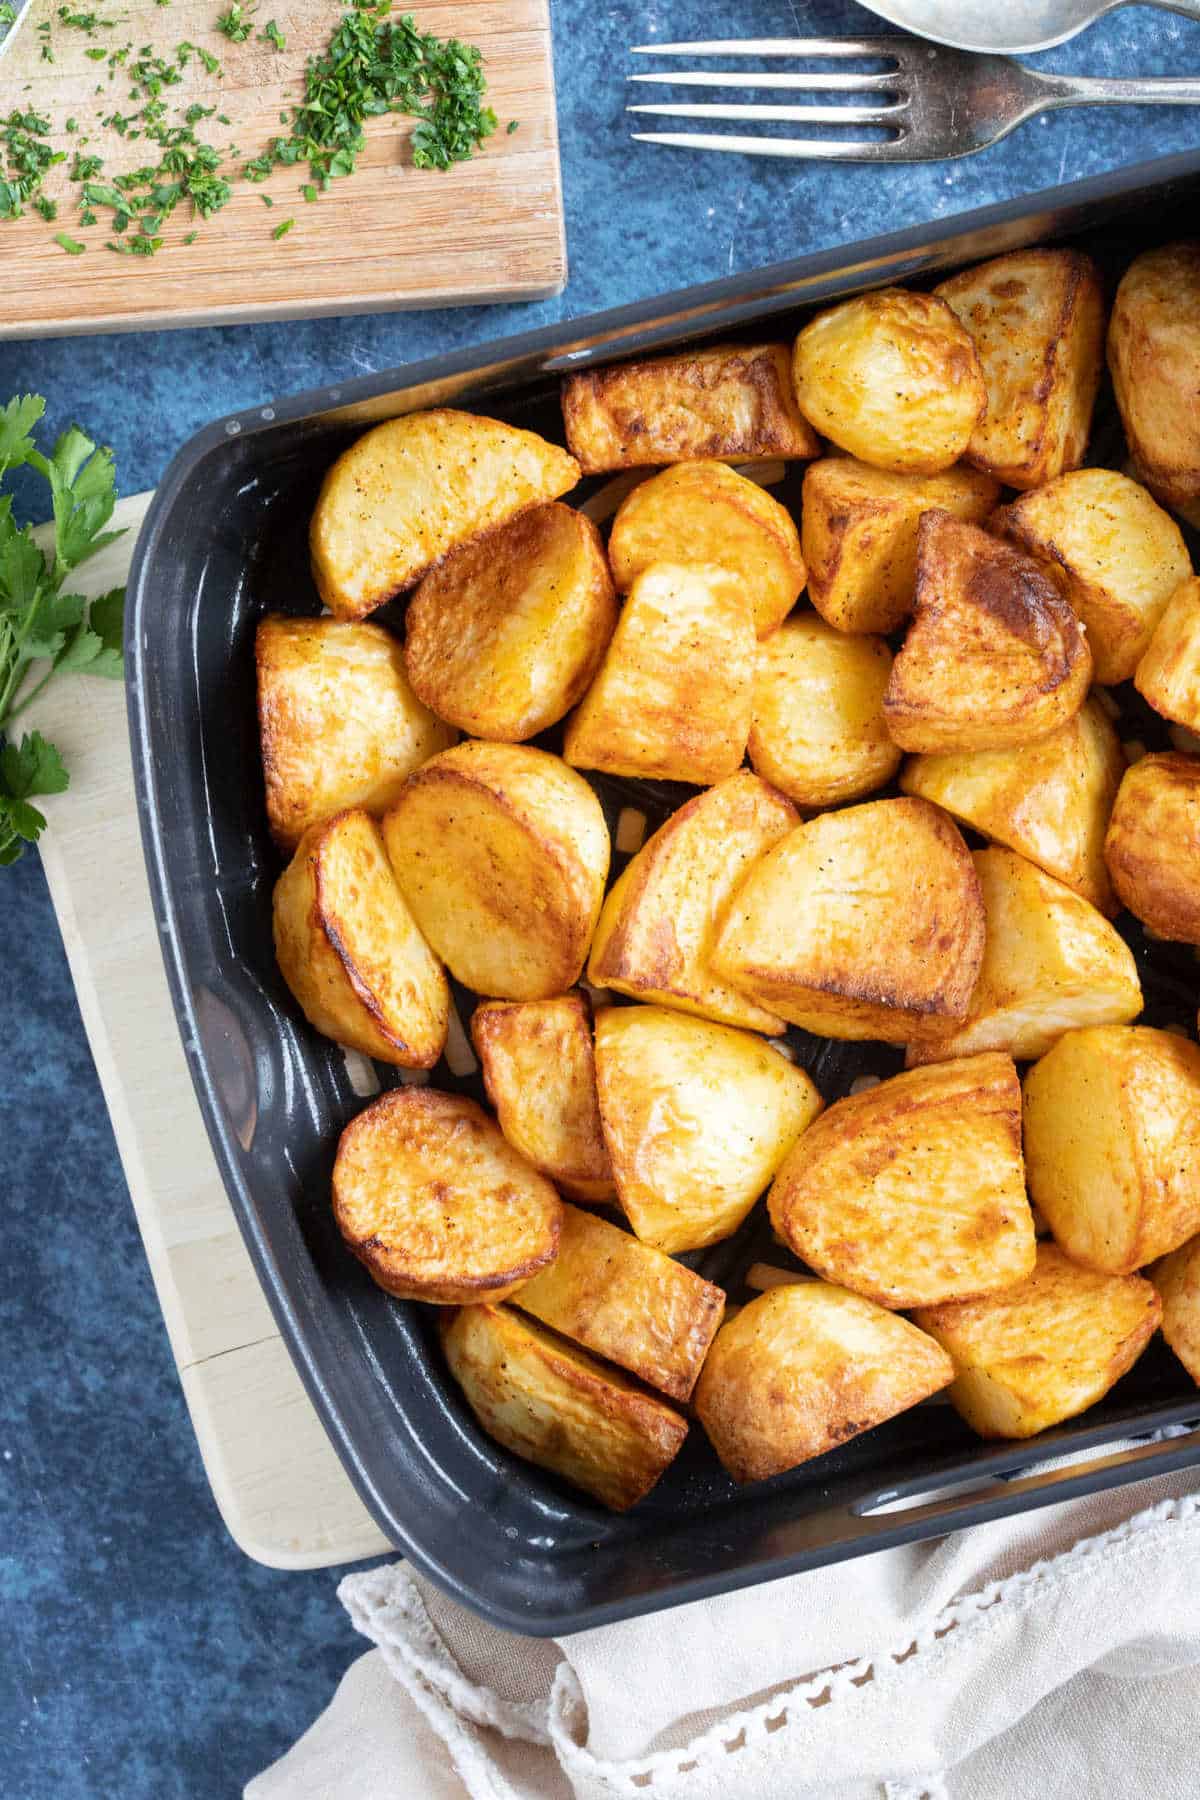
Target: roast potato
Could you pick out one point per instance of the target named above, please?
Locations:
(502, 854)
(1177, 1282)
(1046, 1348)
(866, 923)
(730, 400)
(1153, 844)
(818, 733)
(803, 1368)
(655, 936)
(1049, 801)
(674, 693)
(994, 656)
(697, 1118)
(1123, 557)
(540, 1073)
(892, 377)
(340, 725)
(1168, 675)
(505, 634)
(409, 490)
(437, 1204)
(1154, 355)
(558, 1407)
(1112, 1143)
(1036, 318)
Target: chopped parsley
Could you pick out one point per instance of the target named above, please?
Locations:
(282, 229)
(273, 36)
(236, 22)
(71, 245)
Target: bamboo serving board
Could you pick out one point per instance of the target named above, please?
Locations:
(388, 236)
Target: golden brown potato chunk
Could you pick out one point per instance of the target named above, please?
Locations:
(413, 488)
(893, 378)
(627, 1302)
(805, 1367)
(558, 1407)
(866, 923)
(818, 732)
(1168, 675)
(1112, 1144)
(1177, 1281)
(1036, 318)
(505, 634)
(859, 535)
(1045, 1349)
(994, 656)
(436, 1204)
(697, 1118)
(730, 401)
(1154, 355)
(340, 724)
(540, 1073)
(656, 931)
(502, 854)
(1123, 557)
(674, 693)
(1153, 845)
(1049, 801)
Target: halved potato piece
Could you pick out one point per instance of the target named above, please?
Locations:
(858, 535)
(1168, 675)
(656, 930)
(730, 400)
(705, 512)
(1122, 554)
(628, 1302)
(1046, 1348)
(994, 656)
(437, 1204)
(1154, 355)
(540, 1073)
(558, 1407)
(1036, 318)
(866, 923)
(1176, 1280)
(674, 693)
(1112, 1143)
(913, 1191)
(805, 1367)
(697, 1118)
(1049, 800)
(1153, 844)
(505, 634)
(502, 854)
(409, 490)
(818, 732)
(339, 721)
(1051, 963)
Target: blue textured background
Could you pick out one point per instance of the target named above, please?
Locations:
(141, 1654)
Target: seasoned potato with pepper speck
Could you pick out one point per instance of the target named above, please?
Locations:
(1168, 675)
(818, 732)
(1176, 1280)
(1153, 844)
(1154, 356)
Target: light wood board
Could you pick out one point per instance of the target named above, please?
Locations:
(388, 236)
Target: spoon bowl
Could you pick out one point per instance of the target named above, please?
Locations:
(1013, 27)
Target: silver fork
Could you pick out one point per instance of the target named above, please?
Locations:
(937, 103)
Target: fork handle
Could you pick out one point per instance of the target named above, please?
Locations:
(1097, 90)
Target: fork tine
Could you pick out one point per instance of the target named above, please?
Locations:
(819, 81)
(794, 115)
(875, 46)
(815, 149)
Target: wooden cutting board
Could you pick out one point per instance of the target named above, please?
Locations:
(388, 236)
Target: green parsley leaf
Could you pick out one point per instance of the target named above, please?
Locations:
(71, 245)
(282, 229)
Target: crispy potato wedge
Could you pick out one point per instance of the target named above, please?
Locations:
(540, 1073)
(892, 377)
(859, 535)
(1049, 801)
(1112, 1144)
(1154, 356)
(1046, 1348)
(656, 931)
(339, 722)
(1176, 1280)
(437, 1204)
(628, 1302)
(1051, 963)
(1036, 318)
(803, 1368)
(866, 923)
(1123, 557)
(675, 690)
(705, 512)
(1168, 675)
(818, 732)
(502, 854)
(411, 489)
(1153, 844)
(697, 1118)
(558, 1407)
(506, 633)
(730, 400)
(994, 656)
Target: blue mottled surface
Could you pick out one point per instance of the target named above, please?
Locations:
(141, 1654)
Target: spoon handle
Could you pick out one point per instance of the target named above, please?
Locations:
(1189, 8)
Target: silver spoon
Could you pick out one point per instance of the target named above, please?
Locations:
(1012, 27)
